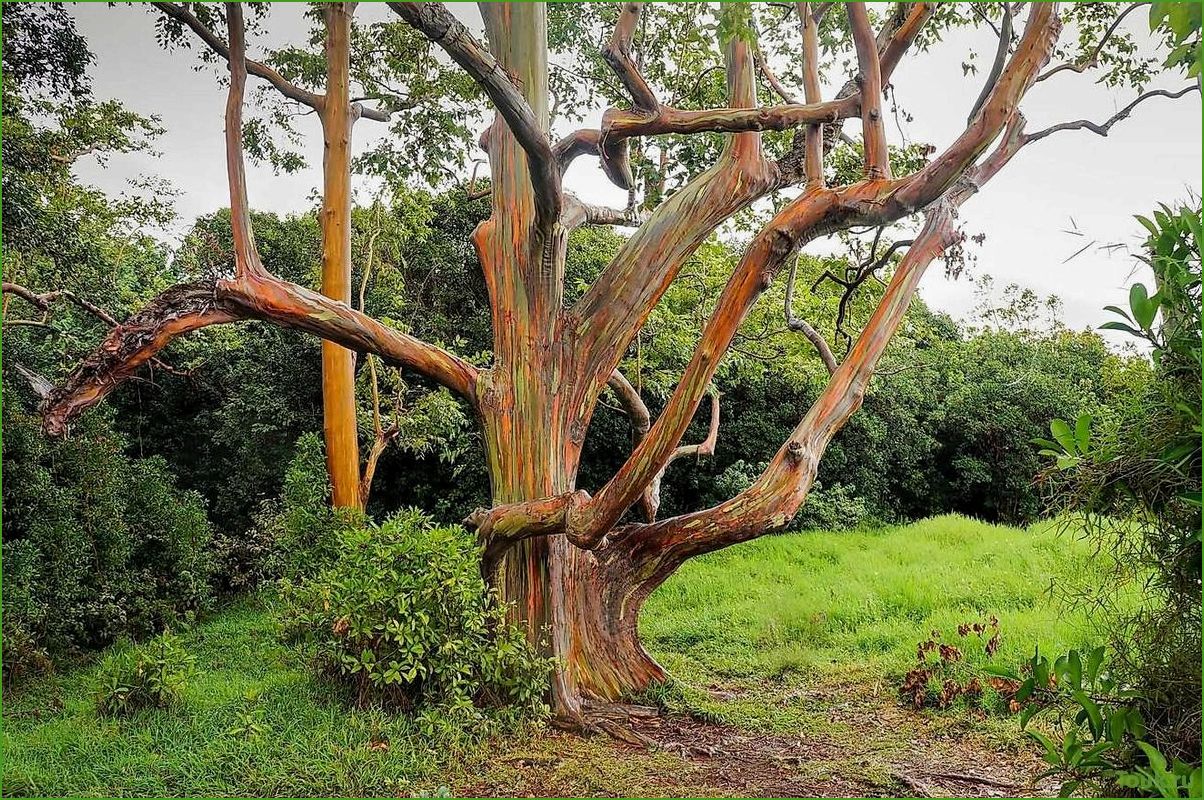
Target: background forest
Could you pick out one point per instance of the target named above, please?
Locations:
(189, 491)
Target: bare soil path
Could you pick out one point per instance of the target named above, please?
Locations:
(868, 745)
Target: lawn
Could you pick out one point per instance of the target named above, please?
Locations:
(772, 636)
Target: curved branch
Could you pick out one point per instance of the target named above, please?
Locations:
(259, 70)
(617, 54)
(189, 307)
(588, 141)
(1092, 59)
(1102, 128)
(42, 302)
(438, 25)
(800, 325)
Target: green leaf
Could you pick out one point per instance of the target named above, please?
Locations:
(1095, 659)
(1143, 307)
(1082, 433)
(1156, 759)
(1062, 433)
(1119, 326)
(1074, 670)
(1094, 716)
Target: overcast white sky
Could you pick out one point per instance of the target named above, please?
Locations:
(1073, 179)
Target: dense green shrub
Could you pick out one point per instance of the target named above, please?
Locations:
(150, 676)
(402, 616)
(97, 545)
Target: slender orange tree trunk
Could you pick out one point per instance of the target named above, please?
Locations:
(338, 363)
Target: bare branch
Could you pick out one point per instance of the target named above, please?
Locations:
(813, 145)
(1001, 54)
(618, 55)
(805, 328)
(438, 25)
(188, 307)
(815, 212)
(1092, 59)
(578, 213)
(588, 141)
(246, 256)
(259, 70)
(619, 123)
(42, 302)
(1102, 128)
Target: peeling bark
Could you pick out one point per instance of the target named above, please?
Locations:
(572, 572)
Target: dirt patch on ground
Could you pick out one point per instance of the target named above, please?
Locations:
(871, 746)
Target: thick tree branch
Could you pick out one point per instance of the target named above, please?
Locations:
(618, 55)
(814, 213)
(42, 302)
(622, 124)
(259, 70)
(772, 500)
(614, 308)
(813, 143)
(246, 256)
(895, 38)
(189, 307)
(438, 25)
(578, 213)
(869, 80)
(588, 141)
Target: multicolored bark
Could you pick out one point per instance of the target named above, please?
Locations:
(568, 567)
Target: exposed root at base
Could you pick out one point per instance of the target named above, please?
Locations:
(612, 719)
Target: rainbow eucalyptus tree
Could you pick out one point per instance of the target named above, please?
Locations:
(575, 568)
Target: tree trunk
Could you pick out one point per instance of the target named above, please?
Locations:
(578, 607)
(338, 363)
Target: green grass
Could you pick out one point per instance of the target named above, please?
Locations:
(813, 608)
(825, 613)
(313, 743)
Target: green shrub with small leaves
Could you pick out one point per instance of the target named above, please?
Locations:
(402, 617)
(150, 676)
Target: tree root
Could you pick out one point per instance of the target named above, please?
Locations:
(612, 719)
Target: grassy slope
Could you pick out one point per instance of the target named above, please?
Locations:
(768, 621)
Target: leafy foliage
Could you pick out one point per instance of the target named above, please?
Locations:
(1134, 480)
(1100, 733)
(403, 617)
(150, 676)
(97, 545)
